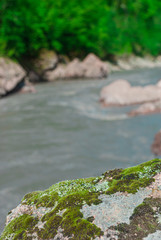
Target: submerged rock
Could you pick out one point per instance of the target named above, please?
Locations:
(119, 204)
(11, 76)
(121, 93)
(156, 146)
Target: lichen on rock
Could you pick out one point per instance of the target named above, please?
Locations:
(92, 208)
(143, 222)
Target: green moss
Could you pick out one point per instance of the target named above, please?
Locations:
(72, 219)
(81, 229)
(29, 195)
(142, 222)
(142, 209)
(19, 227)
(50, 228)
(130, 180)
(41, 199)
(90, 219)
(68, 196)
(133, 178)
(73, 224)
(71, 186)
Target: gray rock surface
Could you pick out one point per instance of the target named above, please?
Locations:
(11, 74)
(114, 209)
(154, 236)
(119, 205)
(90, 67)
(156, 146)
(121, 93)
(146, 108)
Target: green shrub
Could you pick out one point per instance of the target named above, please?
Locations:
(76, 28)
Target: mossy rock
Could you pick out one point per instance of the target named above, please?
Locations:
(58, 211)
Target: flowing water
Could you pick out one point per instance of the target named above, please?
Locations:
(62, 132)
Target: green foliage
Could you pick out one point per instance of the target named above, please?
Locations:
(77, 28)
(16, 229)
(132, 179)
(22, 29)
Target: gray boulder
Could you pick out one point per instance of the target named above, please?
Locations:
(156, 146)
(119, 204)
(90, 67)
(146, 108)
(36, 68)
(121, 93)
(11, 76)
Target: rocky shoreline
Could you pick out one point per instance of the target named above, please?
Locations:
(48, 66)
(93, 208)
(13, 78)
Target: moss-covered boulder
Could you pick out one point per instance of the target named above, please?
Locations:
(119, 204)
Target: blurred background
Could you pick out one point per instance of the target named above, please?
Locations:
(76, 28)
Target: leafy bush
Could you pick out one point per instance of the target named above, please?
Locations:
(76, 28)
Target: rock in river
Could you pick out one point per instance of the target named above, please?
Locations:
(156, 146)
(146, 108)
(120, 204)
(121, 93)
(11, 76)
(90, 67)
(47, 60)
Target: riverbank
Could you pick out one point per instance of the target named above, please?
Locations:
(48, 66)
(132, 62)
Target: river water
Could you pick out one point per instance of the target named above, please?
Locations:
(62, 132)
